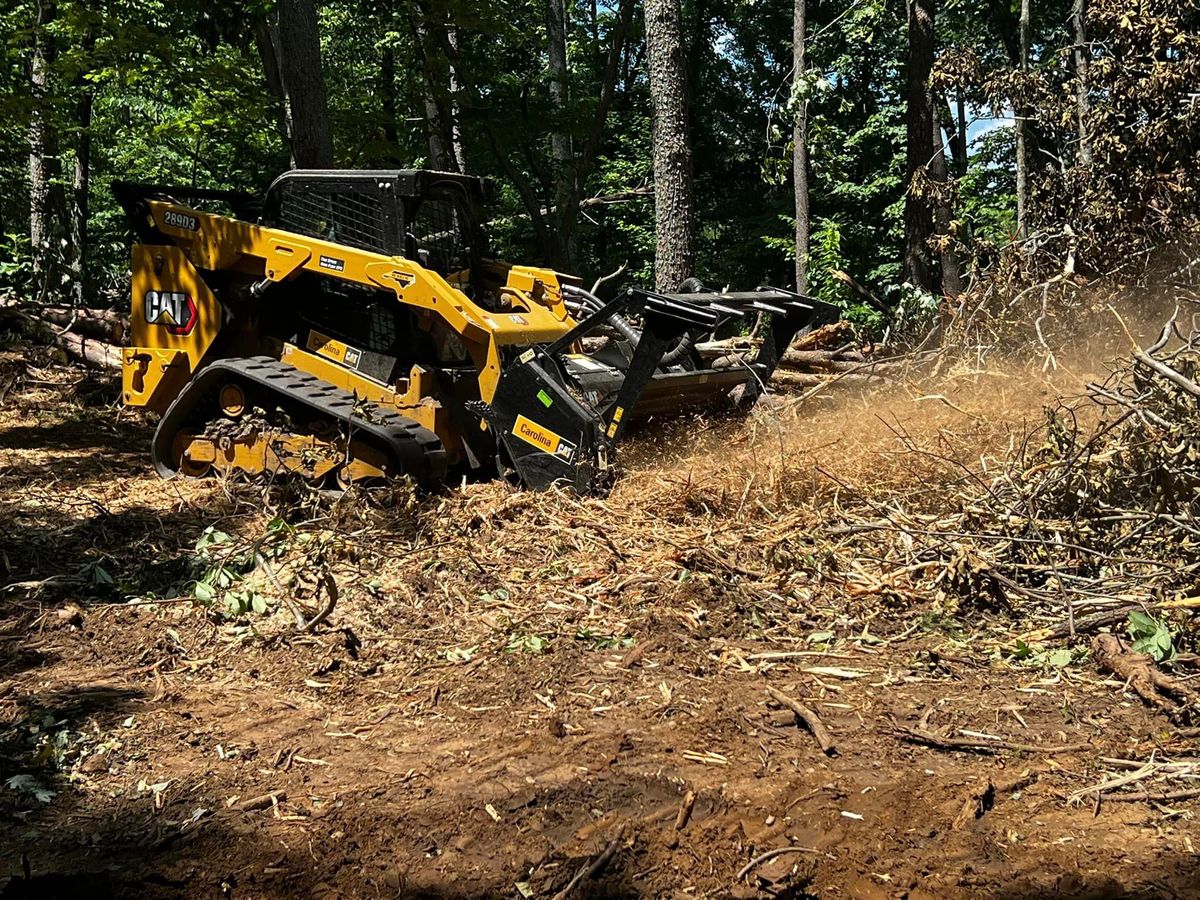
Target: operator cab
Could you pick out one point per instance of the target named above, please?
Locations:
(432, 218)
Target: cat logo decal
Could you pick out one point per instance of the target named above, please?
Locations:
(173, 310)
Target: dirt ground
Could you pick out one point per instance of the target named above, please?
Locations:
(514, 690)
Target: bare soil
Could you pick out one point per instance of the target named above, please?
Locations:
(511, 685)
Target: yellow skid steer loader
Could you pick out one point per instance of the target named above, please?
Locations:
(350, 326)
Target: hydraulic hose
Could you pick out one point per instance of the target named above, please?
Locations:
(595, 304)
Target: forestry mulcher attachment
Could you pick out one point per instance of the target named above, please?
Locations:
(350, 327)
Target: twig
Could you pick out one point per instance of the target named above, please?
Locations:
(595, 868)
(610, 276)
(981, 746)
(331, 594)
(767, 857)
(1168, 373)
(685, 810)
(262, 801)
(284, 594)
(809, 718)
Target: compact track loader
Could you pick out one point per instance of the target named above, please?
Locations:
(351, 327)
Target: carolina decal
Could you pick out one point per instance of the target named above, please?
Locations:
(174, 310)
(543, 438)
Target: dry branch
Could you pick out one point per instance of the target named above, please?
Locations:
(1171, 695)
(810, 719)
(941, 742)
(594, 869)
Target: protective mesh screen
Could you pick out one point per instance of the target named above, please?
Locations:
(441, 232)
(344, 217)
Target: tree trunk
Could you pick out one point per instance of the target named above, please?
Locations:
(264, 40)
(41, 147)
(938, 173)
(608, 81)
(800, 144)
(674, 203)
(918, 219)
(960, 103)
(1082, 103)
(299, 53)
(452, 114)
(560, 139)
(387, 95)
(955, 132)
(80, 186)
(436, 76)
(1023, 132)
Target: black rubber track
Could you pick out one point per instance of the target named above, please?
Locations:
(415, 450)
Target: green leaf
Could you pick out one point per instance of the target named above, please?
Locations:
(1060, 658)
(1141, 624)
(1144, 645)
(258, 603)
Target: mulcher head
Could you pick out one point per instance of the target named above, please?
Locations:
(559, 412)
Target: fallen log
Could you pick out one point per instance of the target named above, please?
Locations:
(837, 365)
(104, 324)
(89, 350)
(820, 357)
(827, 337)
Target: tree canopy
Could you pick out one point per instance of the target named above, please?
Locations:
(209, 94)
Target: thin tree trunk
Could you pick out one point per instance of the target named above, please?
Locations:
(955, 135)
(608, 81)
(918, 219)
(674, 203)
(1023, 131)
(80, 187)
(1082, 103)
(436, 76)
(960, 102)
(387, 93)
(560, 139)
(299, 53)
(41, 147)
(800, 144)
(943, 216)
(452, 112)
(265, 41)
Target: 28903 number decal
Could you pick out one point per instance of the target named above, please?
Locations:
(180, 220)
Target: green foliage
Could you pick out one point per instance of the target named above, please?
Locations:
(527, 643)
(181, 95)
(221, 564)
(1150, 636)
(604, 641)
(1046, 657)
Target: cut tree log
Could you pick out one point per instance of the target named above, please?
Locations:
(827, 337)
(89, 350)
(820, 357)
(104, 324)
